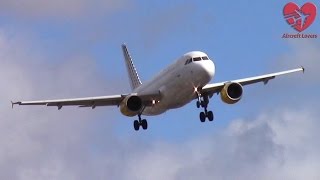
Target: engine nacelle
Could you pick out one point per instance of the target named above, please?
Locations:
(131, 105)
(231, 93)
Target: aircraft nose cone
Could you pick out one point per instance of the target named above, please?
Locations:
(209, 68)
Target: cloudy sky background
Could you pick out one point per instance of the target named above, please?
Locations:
(71, 48)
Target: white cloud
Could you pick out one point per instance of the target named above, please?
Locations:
(303, 53)
(38, 143)
(275, 145)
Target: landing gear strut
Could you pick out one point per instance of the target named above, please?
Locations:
(204, 103)
(141, 122)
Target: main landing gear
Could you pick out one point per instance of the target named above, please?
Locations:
(203, 101)
(141, 122)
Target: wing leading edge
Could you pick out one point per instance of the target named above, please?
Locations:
(216, 87)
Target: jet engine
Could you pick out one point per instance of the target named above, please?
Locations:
(231, 93)
(131, 105)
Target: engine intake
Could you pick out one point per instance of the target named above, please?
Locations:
(131, 105)
(231, 93)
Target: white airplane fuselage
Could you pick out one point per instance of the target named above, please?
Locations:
(177, 82)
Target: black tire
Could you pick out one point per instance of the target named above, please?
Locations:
(202, 117)
(136, 125)
(144, 124)
(198, 104)
(203, 104)
(210, 116)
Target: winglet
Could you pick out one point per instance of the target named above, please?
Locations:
(13, 103)
(302, 69)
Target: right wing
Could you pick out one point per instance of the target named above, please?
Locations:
(81, 102)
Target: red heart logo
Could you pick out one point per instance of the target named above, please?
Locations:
(300, 18)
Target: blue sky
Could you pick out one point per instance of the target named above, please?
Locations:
(71, 49)
(243, 39)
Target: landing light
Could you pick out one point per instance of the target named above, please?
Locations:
(155, 102)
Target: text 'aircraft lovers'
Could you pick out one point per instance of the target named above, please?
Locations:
(183, 81)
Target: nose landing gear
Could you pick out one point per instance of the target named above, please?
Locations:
(204, 104)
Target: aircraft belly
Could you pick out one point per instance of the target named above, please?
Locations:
(179, 91)
(171, 100)
(174, 95)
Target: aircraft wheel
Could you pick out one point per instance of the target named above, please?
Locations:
(198, 104)
(203, 104)
(210, 116)
(202, 117)
(144, 124)
(136, 125)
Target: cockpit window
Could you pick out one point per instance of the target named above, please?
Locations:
(188, 61)
(197, 59)
(205, 58)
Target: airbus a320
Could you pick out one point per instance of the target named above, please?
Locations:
(180, 83)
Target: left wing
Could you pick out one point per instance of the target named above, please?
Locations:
(216, 87)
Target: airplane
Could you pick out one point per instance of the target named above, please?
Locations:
(180, 83)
